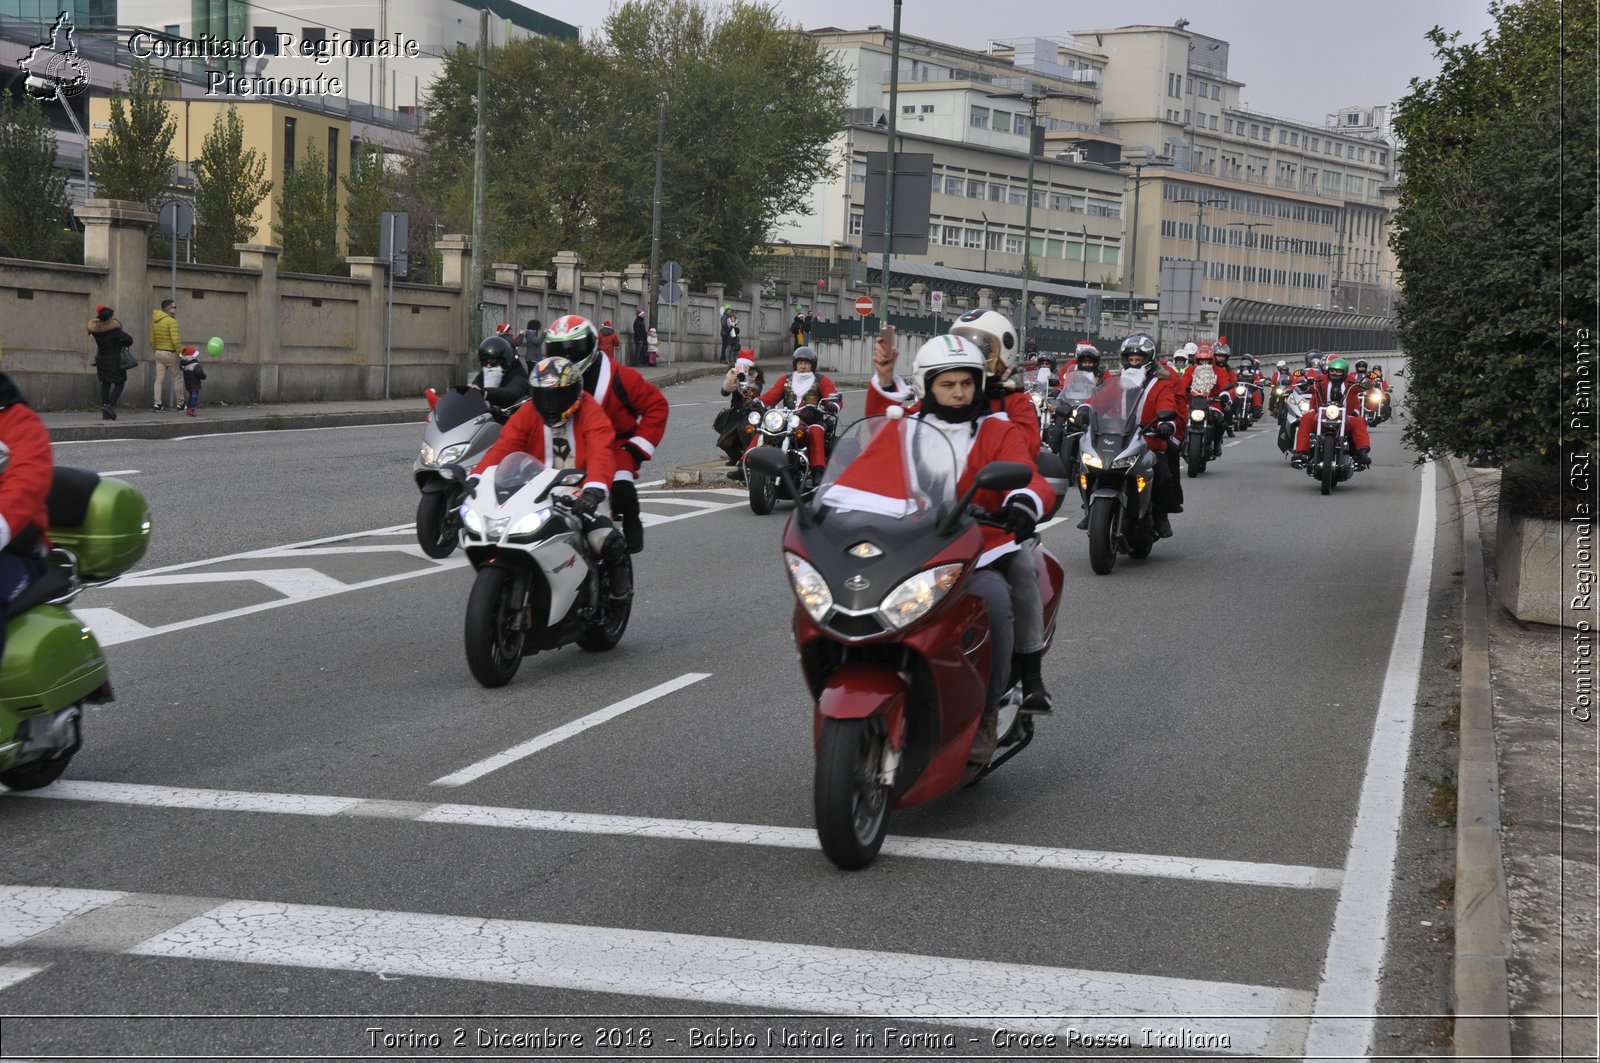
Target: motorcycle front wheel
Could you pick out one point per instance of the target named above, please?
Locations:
(1330, 471)
(1102, 536)
(494, 648)
(851, 804)
(1195, 454)
(763, 492)
(605, 636)
(36, 774)
(436, 534)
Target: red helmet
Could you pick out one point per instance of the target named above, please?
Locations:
(1205, 354)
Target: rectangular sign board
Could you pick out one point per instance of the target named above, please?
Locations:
(913, 200)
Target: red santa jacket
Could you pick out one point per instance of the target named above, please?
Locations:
(25, 481)
(638, 413)
(824, 388)
(991, 438)
(1014, 406)
(1168, 393)
(588, 430)
(1218, 388)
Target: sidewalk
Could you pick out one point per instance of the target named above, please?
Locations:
(1547, 824)
(135, 419)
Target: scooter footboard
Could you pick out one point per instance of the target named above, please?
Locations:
(857, 691)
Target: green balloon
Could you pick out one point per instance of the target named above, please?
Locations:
(214, 346)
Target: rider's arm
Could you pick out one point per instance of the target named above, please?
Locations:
(1019, 410)
(25, 482)
(595, 451)
(517, 435)
(513, 387)
(774, 394)
(652, 407)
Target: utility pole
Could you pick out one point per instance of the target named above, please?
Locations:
(1033, 95)
(888, 178)
(475, 253)
(653, 282)
(1133, 238)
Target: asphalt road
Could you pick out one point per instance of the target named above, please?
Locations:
(288, 810)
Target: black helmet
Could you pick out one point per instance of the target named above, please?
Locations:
(1361, 365)
(557, 388)
(1138, 343)
(803, 354)
(496, 350)
(1046, 358)
(1089, 360)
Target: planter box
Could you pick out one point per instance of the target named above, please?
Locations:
(1532, 556)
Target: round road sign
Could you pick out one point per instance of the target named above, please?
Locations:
(864, 305)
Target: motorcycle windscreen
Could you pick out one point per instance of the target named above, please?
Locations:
(1076, 390)
(899, 468)
(513, 473)
(456, 408)
(1116, 404)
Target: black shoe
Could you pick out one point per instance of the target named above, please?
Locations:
(618, 568)
(633, 530)
(106, 413)
(1163, 526)
(1035, 698)
(1083, 525)
(736, 473)
(1175, 509)
(1301, 459)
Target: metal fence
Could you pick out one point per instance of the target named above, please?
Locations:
(1271, 329)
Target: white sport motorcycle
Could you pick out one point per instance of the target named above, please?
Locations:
(539, 585)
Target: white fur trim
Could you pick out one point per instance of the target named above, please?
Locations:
(990, 556)
(5, 532)
(623, 474)
(839, 496)
(604, 489)
(1027, 492)
(902, 393)
(645, 445)
(603, 383)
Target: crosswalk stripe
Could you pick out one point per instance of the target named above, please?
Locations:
(28, 911)
(1001, 854)
(720, 971)
(12, 973)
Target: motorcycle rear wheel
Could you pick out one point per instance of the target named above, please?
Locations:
(494, 650)
(602, 637)
(39, 773)
(763, 493)
(435, 533)
(850, 804)
(1102, 536)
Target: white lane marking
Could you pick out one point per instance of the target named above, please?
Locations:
(695, 502)
(12, 973)
(648, 483)
(1085, 861)
(121, 472)
(567, 730)
(722, 971)
(1351, 972)
(28, 911)
(675, 405)
(299, 584)
(112, 628)
(651, 520)
(285, 550)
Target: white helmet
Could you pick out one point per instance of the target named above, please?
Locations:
(1191, 349)
(947, 352)
(992, 334)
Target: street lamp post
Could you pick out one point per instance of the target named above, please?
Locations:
(985, 218)
(1034, 94)
(1250, 228)
(1200, 206)
(1133, 238)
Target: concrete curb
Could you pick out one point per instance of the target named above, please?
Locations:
(1482, 911)
(278, 420)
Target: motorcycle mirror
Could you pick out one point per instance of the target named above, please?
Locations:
(453, 472)
(569, 477)
(1004, 476)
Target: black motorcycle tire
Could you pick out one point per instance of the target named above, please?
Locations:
(1195, 454)
(38, 773)
(494, 652)
(850, 805)
(763, 492)
(604, 636)
(435, 533)
(1102, 536)
(1330, 471)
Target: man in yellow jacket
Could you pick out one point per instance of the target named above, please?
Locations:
(165, 344)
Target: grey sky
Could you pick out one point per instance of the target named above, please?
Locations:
(1299, 61)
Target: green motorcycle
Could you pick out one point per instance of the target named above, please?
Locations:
(53, 666)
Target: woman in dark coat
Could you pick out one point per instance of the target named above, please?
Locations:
(110, 340)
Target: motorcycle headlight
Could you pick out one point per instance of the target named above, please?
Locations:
(495, 527)
(1124, 463)
(754, 418)
(1331, 412)
(1091, 459)
(1197, 416)
(912, 599)
(1374, 399)
(472, 520)
(809, 587)
(453, 453)
(775, 421)
(428, 457)
(1278, 392)
(1240, 390)
(530, 522)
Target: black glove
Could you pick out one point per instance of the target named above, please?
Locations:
(1020, 517)
(638, 455)
(1165, 429)
(588, 501)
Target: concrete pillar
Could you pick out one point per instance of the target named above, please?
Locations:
(611, 282)
(455, 250)
(261, 318)
(718, 293)
(370, 317)
(986, 298)
(505, 272)
(116, 237)
(591, 280)
(635, 276)
(569, 269)
(536, 279)
(919, 292)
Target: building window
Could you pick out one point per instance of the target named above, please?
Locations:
(1013, 244)
(266, 38)
(974, 189)
(927, 108)
(365, 45)
(909, 108)
(288, 144)
(1216, 92)
(313, 40)
(1019, 124)
(953, 186)
(938, 183)
(974, 238)
(1016, 197)
(1188, 86)
(994, 241)
(1038, 198)
(1186, 113)
(997, 193)
(980, 118)
(952, 235)
(172, 30)
(856, 221)
(858, 172)
(1213, 121)
(1255, 130)
(933, 234)
(1000, 121)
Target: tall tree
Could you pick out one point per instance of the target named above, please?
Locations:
(134, 160)
(1494, 231)
(308, 218)
(229, 186)
(751, 106)
(33, 191)
(369, 191)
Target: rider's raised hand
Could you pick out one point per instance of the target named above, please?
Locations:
(884, 356)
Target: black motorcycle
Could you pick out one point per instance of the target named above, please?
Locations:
(1117, 475)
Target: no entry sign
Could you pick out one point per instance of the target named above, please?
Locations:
(864, 305)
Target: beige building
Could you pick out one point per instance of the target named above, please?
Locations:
(281, 133)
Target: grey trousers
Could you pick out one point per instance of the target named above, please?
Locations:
(991, 587)
(1021, 570)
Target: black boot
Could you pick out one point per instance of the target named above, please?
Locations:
(618, 566)
(1035, 698)
(1083, 525)
(1163, 526)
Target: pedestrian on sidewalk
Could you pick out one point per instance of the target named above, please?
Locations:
(652, 348)
(730, 337)
(533, 342)
(609, 340)
(165, 345)
(111, 343)
(641, 337)
(193, 373)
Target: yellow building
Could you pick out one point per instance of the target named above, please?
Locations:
(281, 133)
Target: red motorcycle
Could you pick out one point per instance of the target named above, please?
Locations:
(894, 643)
